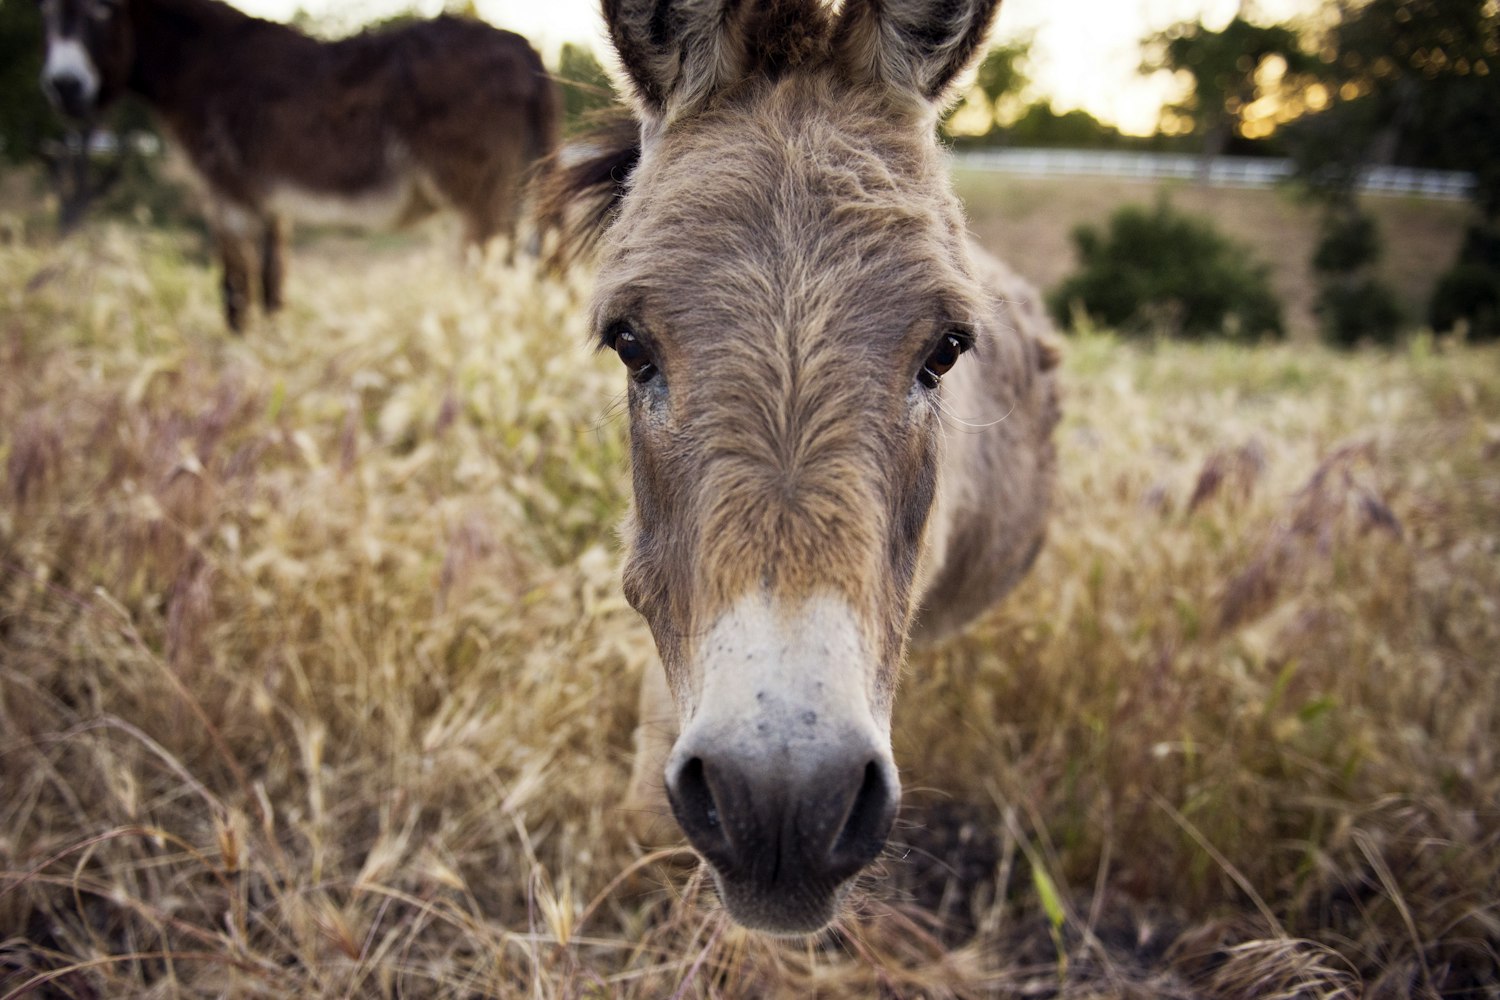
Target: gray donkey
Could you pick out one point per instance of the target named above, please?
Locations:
(840, 412)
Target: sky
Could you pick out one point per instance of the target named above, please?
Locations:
(1085, 53)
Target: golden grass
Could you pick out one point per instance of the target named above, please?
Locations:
(316, 680)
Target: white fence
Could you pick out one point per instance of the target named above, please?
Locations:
(1225, 171)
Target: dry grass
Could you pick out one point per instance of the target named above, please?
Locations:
(316, 680)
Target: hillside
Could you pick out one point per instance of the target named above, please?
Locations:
(1029, 222)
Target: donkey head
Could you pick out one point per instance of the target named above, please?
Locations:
(786, 282)
(89, 49)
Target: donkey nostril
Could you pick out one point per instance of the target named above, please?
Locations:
(67, 92)
(697, 809)
(869, 822)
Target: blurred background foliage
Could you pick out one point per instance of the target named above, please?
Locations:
(26, 122)
(586, 87)
(1162, 271)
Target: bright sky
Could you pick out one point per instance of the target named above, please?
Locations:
(1085, 55)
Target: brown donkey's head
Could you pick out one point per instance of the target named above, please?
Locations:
(89, 51)
(786, 280)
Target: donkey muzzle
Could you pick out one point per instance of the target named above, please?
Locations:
(783, 778)
(69, 78)
(783, 841)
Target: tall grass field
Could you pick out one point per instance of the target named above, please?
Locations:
(316, 679)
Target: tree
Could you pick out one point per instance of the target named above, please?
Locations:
(994, 98)
(1470, 291)
(1241, 67)
(1408, 81)
(1041, 125)
(27, 122)
(586, 87)
(1353, 305)
(1414, 82)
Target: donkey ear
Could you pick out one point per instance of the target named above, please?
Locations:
(914, 46)
(677, 53)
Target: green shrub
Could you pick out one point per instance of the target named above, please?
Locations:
(1470, 291)
(1161, 270)
(1358, 310)
(1353, 306)
(1350, 242)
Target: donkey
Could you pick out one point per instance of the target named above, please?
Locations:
(379, 129)
(840, 412)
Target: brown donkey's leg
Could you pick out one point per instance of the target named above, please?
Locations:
(233, 230)
(234, 251)
(491, 207)
(508, 212)
(481, 225)
(272, 263)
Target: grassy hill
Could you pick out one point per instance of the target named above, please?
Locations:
(1029, 221)
(316, 679)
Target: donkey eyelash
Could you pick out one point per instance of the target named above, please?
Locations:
(967, 339)
(604, 339)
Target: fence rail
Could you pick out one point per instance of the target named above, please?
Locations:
(1225, 171)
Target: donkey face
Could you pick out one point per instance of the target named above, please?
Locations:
(786, 283)
(89, 49)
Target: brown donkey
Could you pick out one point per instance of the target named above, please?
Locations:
(378, 129)
(840, 413)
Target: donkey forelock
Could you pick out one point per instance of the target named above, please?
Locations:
(680, 55)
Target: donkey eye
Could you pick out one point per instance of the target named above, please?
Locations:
(633, 354)
(942, 359)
